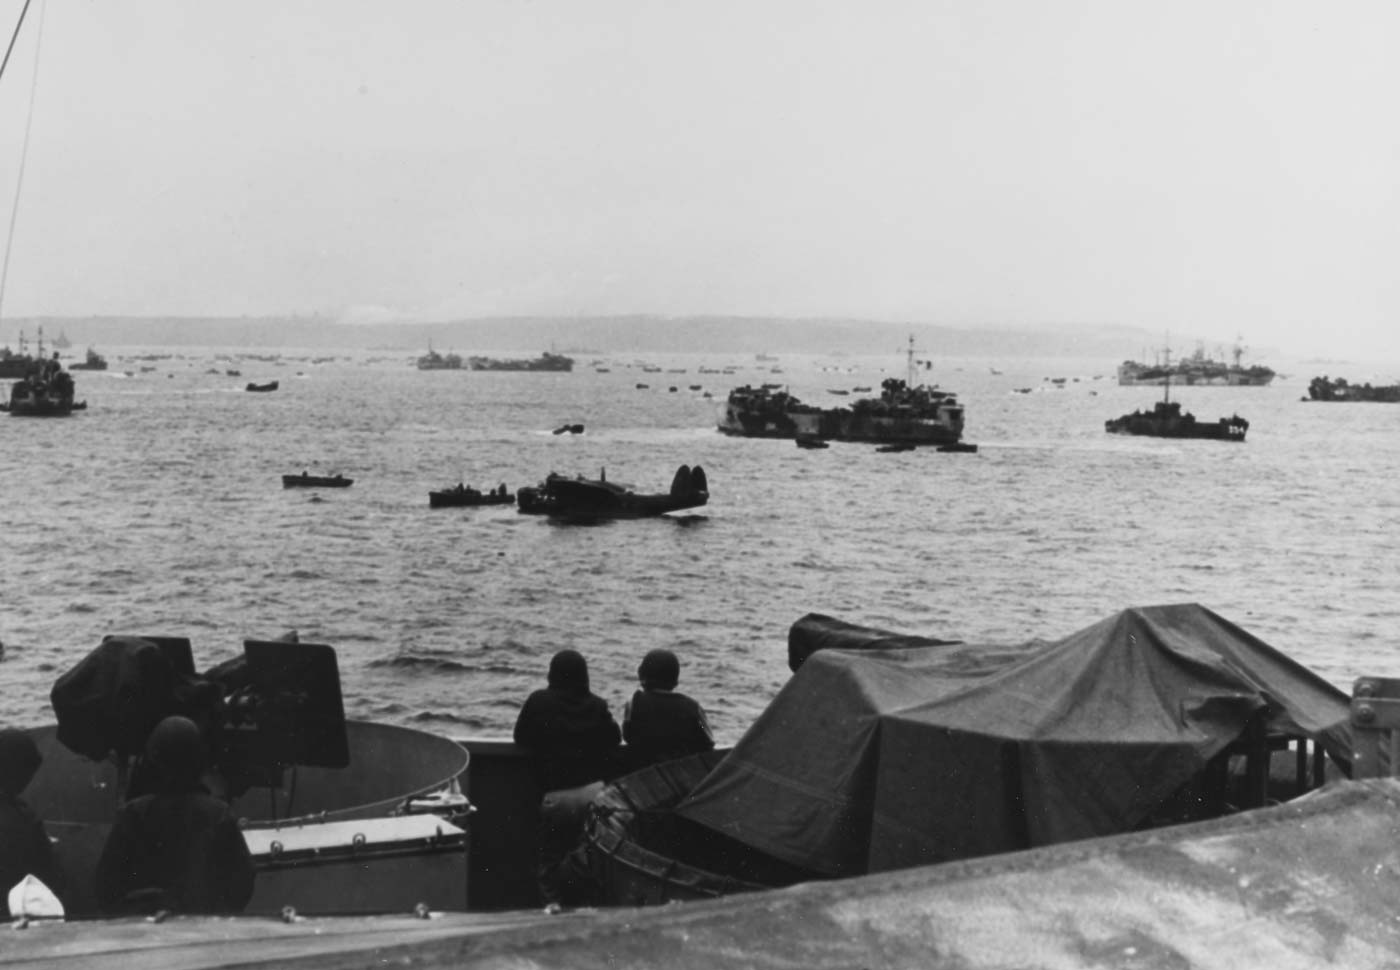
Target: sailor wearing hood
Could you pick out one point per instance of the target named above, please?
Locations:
(574, 740)
(568, 729)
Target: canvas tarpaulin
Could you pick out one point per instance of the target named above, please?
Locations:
(869, 761)
(817, 632)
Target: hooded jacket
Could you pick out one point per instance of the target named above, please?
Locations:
(568, 729)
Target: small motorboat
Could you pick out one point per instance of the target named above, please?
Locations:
(464, 495)
(306, 480)
(269, 386)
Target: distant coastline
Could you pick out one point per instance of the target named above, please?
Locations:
(601, 335)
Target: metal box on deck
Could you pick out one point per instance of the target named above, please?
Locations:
(370, 865)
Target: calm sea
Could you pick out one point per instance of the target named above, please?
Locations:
(160, 510)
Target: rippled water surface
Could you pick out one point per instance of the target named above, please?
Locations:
(160, 510)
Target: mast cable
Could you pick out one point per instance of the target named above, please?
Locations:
(24, 148)
(13, 37)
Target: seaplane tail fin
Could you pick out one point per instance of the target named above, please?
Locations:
(680, 485)
(698, 483)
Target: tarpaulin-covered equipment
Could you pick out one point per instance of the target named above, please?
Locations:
(111, 699)
(870, 761)
(816, 631)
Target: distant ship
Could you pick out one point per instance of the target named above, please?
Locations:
(15, 364)
(1323, 389)
(545, 361)
(903, 413)
(92, 361)
(1196, 369)
(433, 360)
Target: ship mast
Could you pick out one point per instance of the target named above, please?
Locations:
(909, 370)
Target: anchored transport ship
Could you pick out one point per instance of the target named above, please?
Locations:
(904, 413)
(1196, 369)
(545, 361)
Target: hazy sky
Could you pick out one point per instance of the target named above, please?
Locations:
(1199, 166)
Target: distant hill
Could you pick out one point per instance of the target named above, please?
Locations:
(600, 335)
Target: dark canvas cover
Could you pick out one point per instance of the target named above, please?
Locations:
(869, 761)
(112, 698)
(816, 631)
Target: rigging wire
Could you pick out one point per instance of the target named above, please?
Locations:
(14, 37)
(24, 148)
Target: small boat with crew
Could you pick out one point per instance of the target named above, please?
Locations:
(597, 499)
(45, 392)
(463, 495)
(905, 412)
(307, 480)
(262, 388)
(814, 441)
